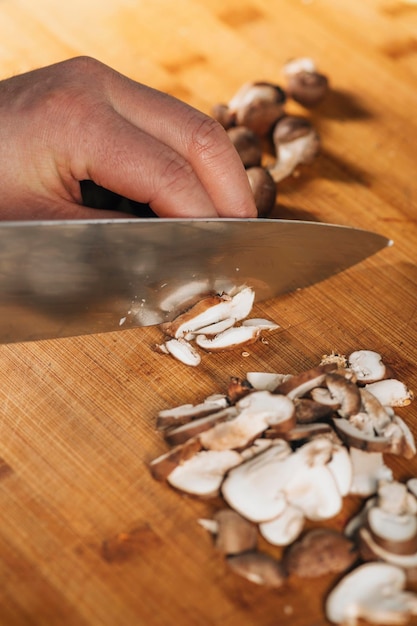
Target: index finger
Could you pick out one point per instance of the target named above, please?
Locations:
(198, 138)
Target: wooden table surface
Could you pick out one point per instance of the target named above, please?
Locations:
(86, 536)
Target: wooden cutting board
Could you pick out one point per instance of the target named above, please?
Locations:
(86, 536)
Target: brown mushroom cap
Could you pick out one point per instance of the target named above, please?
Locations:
(264, 189)
(258, 105)
(247, 144)
(320, 551)
(234, 534)
(258, 568)
(307, 88)
(222, 114)
(291, 127)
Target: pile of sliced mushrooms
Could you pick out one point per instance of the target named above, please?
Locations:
(260, 127)
(282, 452)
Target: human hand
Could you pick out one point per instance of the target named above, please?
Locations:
(80, 120)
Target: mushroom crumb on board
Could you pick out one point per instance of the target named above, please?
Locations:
(284, 452)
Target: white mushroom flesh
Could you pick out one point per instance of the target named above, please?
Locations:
(373, 592)
(368, 470)
(229, 339)
(367, 365)
(285, 528)
(391, 392)
(267, 381)
(203, 474)
(183, 351)
(246, 460)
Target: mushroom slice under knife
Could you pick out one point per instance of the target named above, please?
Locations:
(207, 311)
(229, 339)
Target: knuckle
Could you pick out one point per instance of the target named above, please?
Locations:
(209, 138)
(177, 173)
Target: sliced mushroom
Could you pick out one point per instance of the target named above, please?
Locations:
(369, 470)
(163, 465)
(242, 303)
(315, 492)
(359, 438)
(373, 592)
(207, 311)
(311, 485)
(300, 384)
(180, 434)
(370, 550)
(238, 388)
(345, 392)
(401, 438)
(341, 468)
(262, 444)
(260, 323)
(320, 551)
(308, 410)
(267, 381)
(391, 392)
(229, 339)
(323, 396)
(373, 407)
(218, 327)
(285, 528)
(358, 521)
(203, 473)
(299, 432)
(234, 533)
(258, 410)
(367, 365)
(258, 568)
(185, 413)
(183, 295)
(397, 533)
(183, 351)
(255, 488)
(394, 497)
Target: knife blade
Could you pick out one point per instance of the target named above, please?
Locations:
(67, 278)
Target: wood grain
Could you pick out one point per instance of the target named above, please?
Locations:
(87, 538)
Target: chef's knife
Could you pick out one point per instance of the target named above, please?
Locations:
(64, 278)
